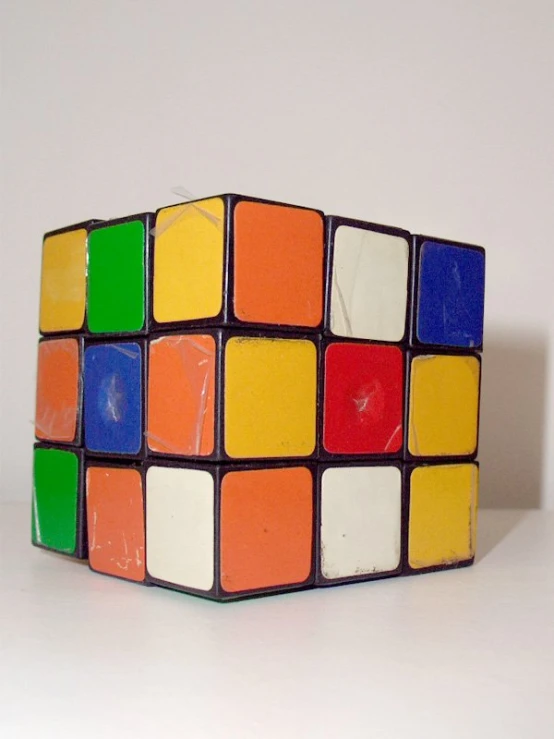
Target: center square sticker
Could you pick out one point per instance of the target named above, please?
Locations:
(363, 399)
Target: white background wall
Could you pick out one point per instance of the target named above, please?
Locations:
(434, 115)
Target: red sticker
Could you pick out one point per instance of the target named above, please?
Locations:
(363, 399)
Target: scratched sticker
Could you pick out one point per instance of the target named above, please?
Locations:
(369, 288)
(360, 521)
(447, 493)
(115, 520)
(181, 391)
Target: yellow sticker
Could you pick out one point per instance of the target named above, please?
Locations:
(444, 405)
(443, 514)
(188, 261)
(270, 397)
(63, 281)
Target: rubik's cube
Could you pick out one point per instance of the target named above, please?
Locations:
(237, 397)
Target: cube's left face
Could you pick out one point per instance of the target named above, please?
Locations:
(58, 401)
(116, 301)
(369, 284)
(115, 521)
(114, 398)
(63, 281)
(270, 397)
(56, 495)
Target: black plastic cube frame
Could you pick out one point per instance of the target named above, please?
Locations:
(227, 318)
(332, 223)
(218, 472)
(78, 439)
(86, 225)
(147, 220)
(103, 341)
(221, 337)
(407, 473)
(439, 459)
(320, 579)
(121, 465)
(418, 241)
(335, 457)
(81, 538)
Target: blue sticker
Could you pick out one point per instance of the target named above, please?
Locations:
(451, 295)
(113, 398)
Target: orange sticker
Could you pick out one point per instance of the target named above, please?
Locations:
(115, 520)
(278, 264)
(57, 401)
(181, 389)
(266, 528)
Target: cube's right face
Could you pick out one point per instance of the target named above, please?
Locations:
(246, 531)
(273, 255)
(268, 390)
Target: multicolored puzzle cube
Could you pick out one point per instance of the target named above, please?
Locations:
(238, 397)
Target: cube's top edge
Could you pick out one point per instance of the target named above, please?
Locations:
(420, 239)
(234, 198)
(334, 222)
(86, 225)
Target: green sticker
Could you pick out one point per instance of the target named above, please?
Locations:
(116, 278)
(55, 494)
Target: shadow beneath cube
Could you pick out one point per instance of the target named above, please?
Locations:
(512, 419)
(493, 527)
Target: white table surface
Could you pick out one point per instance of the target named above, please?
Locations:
(466, 653)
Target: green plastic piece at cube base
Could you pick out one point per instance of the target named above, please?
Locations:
(55, 497)
(116, 275)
